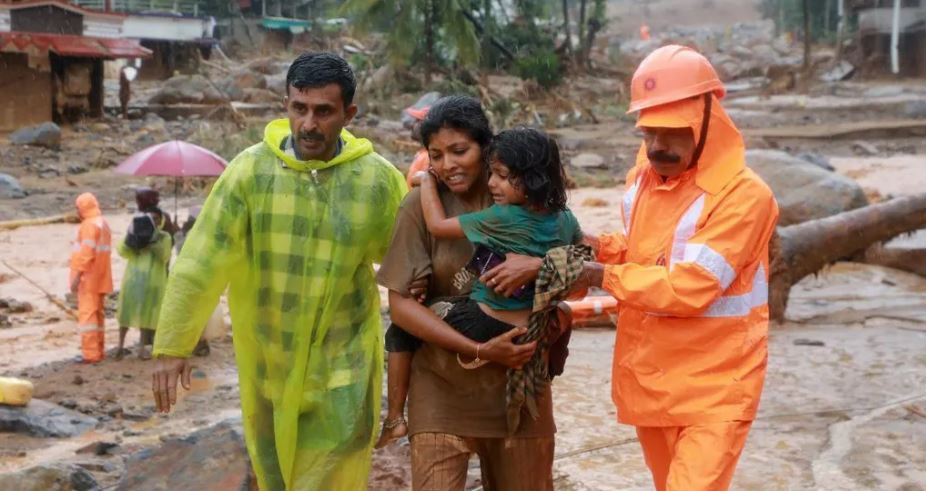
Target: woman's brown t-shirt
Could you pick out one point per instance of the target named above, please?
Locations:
(443, 397)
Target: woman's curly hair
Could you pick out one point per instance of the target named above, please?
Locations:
(532, 158)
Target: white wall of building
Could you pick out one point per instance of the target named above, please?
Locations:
(166, 28)
(4, 20)
(102, 27)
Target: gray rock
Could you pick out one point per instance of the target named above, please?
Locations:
(44, 419)
(804, 191)
(588, 161)
(915, 109)
(211, 459)
(49, 478)
(187, 89)
(10, 188)
(44, 135)
(277, 83)
(817, 159)
(76, 169)
(864, 148)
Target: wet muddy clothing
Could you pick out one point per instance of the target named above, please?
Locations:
(440, 462)
(515, 229)
(443, 396)
(143, 282)
(294, 241)
(462, 313)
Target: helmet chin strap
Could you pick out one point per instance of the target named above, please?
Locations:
(702, 138)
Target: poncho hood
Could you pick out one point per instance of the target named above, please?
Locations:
(278, 130)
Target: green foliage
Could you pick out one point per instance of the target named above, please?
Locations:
(406, 23)
(542, 66)
(788, 16)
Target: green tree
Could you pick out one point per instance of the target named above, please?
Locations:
(420, 26)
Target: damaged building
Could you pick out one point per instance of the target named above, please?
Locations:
(891, 31)
(51, 60)
(175, 31)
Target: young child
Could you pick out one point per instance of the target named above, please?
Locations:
(529, 217)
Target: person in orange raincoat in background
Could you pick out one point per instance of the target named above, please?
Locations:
(690, 274)
(91, 275)
(422, 160)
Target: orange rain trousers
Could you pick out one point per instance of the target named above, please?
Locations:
(90, 321)
(693, 458)
(91, 258)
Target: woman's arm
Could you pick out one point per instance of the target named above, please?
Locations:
(420, 321)
(434, 215)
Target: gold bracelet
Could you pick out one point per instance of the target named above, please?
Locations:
(476, 363)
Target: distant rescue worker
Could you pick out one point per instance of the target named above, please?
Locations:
(422, 160)
(292, 228)
(91, 276)
(146, 249)
(690, 273)
(125, 92)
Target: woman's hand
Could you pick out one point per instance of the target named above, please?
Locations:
(591, 241)
(515, 272)
(502, 350)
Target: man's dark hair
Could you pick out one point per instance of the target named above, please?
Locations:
(313, 70)
(461, 113)
(533, 160)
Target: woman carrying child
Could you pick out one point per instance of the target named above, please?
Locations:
(455, 411)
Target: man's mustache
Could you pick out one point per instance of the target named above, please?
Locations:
(311, 135)
(663, 156)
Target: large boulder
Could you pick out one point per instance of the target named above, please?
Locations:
(44, 135)
(236, 85)
(10, 187)
(804, 190)
(44, 419)
(262, 96)
(187, 89)
(49, 478)
(211, 459)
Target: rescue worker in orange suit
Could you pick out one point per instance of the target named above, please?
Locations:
(690, 274)
(91, 276)
(422, 160)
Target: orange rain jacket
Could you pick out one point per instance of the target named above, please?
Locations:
(690, 273)
(92, 251)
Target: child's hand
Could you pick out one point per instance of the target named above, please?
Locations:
(420, 177)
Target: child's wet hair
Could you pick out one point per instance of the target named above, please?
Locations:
(533, 161)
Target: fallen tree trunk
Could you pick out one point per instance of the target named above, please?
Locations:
(14, 224)
(805, 248)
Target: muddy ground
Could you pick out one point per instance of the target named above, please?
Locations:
(844, 406)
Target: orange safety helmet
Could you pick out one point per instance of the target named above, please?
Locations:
(672, 73)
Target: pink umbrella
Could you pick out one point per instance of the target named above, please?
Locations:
(176, 159)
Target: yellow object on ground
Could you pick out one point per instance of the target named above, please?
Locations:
(294, 242)
(15, 391)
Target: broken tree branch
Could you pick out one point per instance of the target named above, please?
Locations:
(51, 298)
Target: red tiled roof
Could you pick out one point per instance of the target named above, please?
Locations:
(67, 45)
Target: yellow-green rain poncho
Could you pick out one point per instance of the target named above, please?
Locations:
(295, 243)
(143, 282)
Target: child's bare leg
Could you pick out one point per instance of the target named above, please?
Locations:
(120, 351)
(398, 370)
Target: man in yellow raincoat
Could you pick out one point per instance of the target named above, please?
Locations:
(690, 273)
(292, 227)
